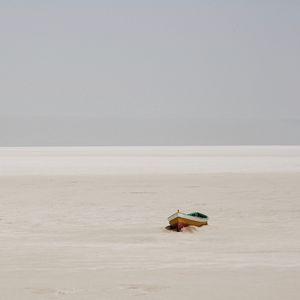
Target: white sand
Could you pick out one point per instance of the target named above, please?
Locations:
(88, 223)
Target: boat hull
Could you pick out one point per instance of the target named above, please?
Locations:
(180, 220)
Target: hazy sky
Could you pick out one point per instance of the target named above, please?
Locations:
(149, 72)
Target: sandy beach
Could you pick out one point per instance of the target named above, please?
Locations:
(89, 223)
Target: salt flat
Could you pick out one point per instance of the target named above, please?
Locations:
(89, 223)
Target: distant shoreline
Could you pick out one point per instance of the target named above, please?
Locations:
(148, 160)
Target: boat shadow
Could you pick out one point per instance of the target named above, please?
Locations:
(190, 229)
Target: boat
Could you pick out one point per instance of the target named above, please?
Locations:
(179, 220)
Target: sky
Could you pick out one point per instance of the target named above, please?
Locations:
(167, 72)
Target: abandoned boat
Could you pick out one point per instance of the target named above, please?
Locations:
(179, 220)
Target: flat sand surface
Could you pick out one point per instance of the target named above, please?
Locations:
(89, 223)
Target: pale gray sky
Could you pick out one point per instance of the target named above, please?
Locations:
(149, 72)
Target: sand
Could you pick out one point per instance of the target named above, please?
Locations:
(89, 223)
